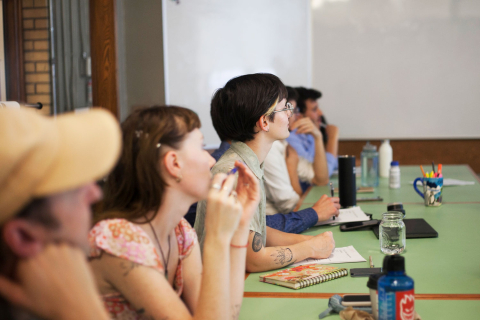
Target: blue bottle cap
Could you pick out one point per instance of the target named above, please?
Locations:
(394, 163)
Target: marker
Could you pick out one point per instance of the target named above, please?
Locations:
(423, 172)
(332, 193)
(440, 169)
(433, 166)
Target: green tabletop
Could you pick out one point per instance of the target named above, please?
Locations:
(449, 264)
(406, 193)
(291, 308)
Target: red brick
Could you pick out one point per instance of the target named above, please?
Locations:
(37, 56)
(41, 45)
(41, 3)
(28, 45)
(36, 35)
(35, 13)
(34, 98)
(43, 66)
(29, 67)
(27, 3)
(43, 88)
(41, 24)
(37, 77)
(30, 88)
(28, 24)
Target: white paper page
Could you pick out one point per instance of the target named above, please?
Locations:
(447, 182)
(347, 215)
(339, 255)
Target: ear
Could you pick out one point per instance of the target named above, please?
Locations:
(24, 238)
(263, 123)
(172, 164)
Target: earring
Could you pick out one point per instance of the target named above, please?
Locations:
(179, 178)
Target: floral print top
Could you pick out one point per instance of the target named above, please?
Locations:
(128, 241)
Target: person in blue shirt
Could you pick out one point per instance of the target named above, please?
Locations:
(315, 142)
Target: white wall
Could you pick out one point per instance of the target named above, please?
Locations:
(208, 42)
(398, 68)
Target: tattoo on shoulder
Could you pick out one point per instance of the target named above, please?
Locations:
(235, 311)
(257, 242)
(128, 266)
(283, 256)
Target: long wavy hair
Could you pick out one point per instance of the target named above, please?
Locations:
(135, 186)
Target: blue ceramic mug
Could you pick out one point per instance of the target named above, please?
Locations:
(432, 191)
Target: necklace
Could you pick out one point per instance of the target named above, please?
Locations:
(161, 251)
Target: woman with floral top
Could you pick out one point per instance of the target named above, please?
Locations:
(145, 256)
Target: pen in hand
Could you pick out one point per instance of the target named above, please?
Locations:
(332, 193)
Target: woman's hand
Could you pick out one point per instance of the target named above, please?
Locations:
(55, 284)
(224, 210)
(248, 192)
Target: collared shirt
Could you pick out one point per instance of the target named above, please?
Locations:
(279, 191)
(241, 152)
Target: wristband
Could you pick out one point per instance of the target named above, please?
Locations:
(240, 247)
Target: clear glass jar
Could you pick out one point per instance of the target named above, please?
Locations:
(392, 233)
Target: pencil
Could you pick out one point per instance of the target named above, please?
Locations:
(433, 167)
(371, 262)
(423, 172)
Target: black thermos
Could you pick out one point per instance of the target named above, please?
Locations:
(346, 181)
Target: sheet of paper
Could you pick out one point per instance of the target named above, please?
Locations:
(447, 182)
(339, 255)
(346, 215)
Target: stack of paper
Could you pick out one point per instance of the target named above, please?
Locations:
(339, 255)
(346, 215)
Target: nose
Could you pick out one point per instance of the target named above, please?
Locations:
(93, 193)
(211, 161)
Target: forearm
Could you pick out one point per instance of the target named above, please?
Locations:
(270, 258)
(278, 238)
(292, 172)
(238, 254)
(320, 167)
(332, 144)
(214, 300)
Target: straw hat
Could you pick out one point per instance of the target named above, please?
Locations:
(41, 155)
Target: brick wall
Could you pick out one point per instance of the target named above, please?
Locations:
(36, 45)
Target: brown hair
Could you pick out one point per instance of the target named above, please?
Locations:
(135, 186)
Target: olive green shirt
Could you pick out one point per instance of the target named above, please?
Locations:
(241, 152)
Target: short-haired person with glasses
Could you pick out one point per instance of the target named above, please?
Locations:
(253, 110)
(281, 196)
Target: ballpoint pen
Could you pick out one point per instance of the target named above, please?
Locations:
(332, 193)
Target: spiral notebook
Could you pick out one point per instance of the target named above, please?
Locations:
(304, 276)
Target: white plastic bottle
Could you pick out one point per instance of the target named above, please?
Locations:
(385, 158)
(394, 180)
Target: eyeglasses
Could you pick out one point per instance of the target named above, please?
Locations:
(288, 107)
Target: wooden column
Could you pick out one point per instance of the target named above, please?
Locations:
(103, 53)
(14, 68)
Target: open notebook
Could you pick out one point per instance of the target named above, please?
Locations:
(346, 215)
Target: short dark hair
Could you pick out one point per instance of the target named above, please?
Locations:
(237, 106)
(304, 94)
(292, 94)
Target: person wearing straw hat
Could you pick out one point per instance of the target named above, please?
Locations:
(48, 169)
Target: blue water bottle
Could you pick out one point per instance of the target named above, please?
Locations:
(396, 297)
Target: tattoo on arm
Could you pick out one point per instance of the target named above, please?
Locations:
(128, 266)
(257, 242)
(283, 256)
(235, 311)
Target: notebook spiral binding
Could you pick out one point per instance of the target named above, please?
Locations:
(323, 278)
